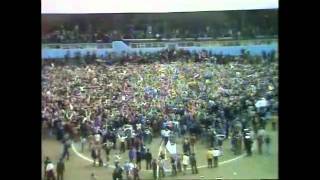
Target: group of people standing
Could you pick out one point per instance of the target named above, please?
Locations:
(138, 152)
(126, 106)
(50, 172)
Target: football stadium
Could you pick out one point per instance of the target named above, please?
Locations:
(180, 95)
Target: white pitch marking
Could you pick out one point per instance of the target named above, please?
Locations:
(223, 162)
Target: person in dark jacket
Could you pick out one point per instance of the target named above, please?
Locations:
(107, 148)
(122, 144)
(248, 144)
(60, 169)
(66, 146)
(186, 147)
(260, 142)
(59, 130)
(178, 161)
(193, 140)
(274, 124)
(193, 163)
(138, 159)
(148, 157)
(94, 155)
(267, 141)
(117, 173)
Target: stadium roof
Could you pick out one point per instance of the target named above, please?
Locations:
(150, 6)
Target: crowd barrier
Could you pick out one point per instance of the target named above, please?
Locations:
(57, 51)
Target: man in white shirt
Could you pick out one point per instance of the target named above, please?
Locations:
(131, 166)
(166, 134)
(216, 154)
(162, 133)
(261, 132)
(50, 166)
(50, 171)
(138, 126)
(97, 138)
(126, 168)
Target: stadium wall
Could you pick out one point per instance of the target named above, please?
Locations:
(118, 47)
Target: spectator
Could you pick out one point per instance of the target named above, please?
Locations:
(94, 155)
(193, 139)
(173, 166)
(166, 134)
(216, 154)
(100, 159)
(127, 169)
(139, 159)
(178, 159)
(60, 169)
(162, 155)
(117, 173)
(185, 162)
(136, 172)
(193, 163)
(46, 162)
(267, 141)
(66, 146)
(83, 142)
(154, 165)
(107, 147)
(210, 157)
(132, 154)
(50, 171)
(274, 124)
(260, 139)
(186, 146)
(122, 143)
(148, 157)
(248, 143)
(161, 167)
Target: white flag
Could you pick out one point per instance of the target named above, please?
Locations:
(172, 148)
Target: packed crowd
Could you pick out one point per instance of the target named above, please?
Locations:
(163, 56)
(129, 105)
(74, 35)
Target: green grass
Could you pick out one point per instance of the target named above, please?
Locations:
(255, 167)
